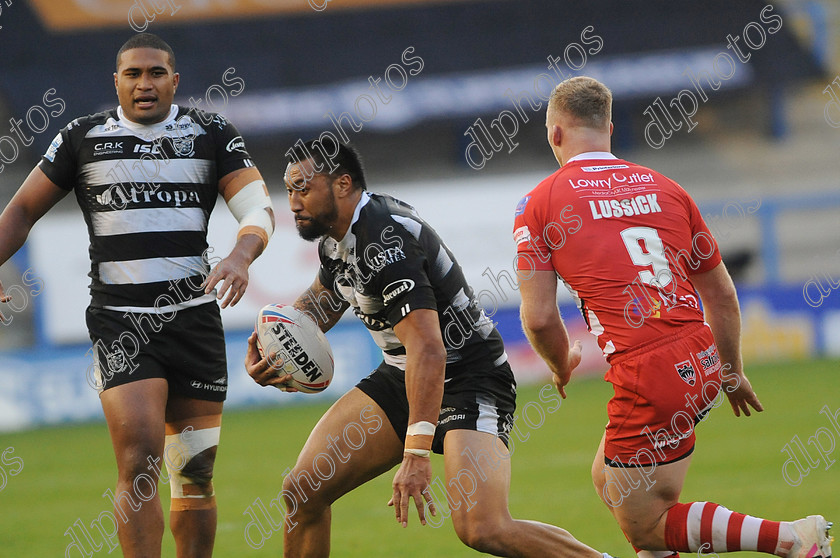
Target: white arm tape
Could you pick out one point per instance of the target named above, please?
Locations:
(422, 428)
(248, 206)
(418, 452)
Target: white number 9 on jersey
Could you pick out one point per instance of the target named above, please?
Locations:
(651, 255)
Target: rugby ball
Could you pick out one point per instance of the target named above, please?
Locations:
(302, 348)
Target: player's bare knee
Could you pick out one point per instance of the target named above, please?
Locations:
(307, 490)
(640, 534)
(135, 462)
(480, 535)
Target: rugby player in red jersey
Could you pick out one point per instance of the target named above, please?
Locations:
(632, 247)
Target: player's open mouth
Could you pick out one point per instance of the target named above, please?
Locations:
(145, 102)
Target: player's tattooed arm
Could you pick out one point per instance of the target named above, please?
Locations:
(322, 304)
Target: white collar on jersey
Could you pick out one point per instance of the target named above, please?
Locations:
(592, 155)
(349, 238)
(154, 128)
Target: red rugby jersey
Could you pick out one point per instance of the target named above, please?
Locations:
(625, 241)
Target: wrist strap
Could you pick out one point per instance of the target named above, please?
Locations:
(422, 428)
(417, 452)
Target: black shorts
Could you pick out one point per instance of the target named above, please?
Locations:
(188, 350)
(481, 398)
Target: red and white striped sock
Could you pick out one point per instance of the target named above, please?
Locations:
(709, 527)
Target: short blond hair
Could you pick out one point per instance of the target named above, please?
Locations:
(585, 99)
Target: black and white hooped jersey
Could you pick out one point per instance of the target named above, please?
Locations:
(146, 192)
(392, 262)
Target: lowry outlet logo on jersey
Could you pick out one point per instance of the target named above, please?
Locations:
(614, 180)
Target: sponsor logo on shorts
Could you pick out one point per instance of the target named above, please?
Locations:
(450, 418)
(395, 289)
(205, 386)
(686, 371)
(709, 360)
(670, 440)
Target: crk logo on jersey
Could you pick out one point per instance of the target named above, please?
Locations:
(686, 372)
(108, 148)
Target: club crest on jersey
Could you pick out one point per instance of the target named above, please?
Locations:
(686, 371)
(183, 147)
(520, 207)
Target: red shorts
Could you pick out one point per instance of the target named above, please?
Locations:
(661, 392)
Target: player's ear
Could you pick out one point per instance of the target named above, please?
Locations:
(176, 79)
(611, 128)
(116, 82)
(345, 185)
(556, 135)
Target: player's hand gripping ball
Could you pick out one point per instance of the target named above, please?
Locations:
(301, 347)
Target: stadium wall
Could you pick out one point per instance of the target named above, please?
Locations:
(50, 382)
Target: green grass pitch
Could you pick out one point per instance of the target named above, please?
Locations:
(738, 463)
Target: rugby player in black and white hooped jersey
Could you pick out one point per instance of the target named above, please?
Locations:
(146, 176)
(444, 384)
